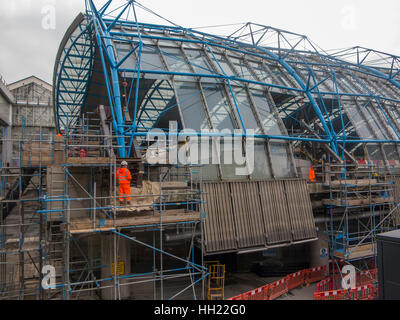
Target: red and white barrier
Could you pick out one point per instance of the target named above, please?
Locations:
(239, 297)
(325, 285)
(331, 295)
(363, 293)
(258, 294)
(278, 288)
(295, 280)
(315, 275)
(327, 289)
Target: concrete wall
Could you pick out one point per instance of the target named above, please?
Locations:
(33, 115)
(31, 89)
(319, 249)
(5, 124)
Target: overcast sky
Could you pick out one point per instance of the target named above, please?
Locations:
(29, 40)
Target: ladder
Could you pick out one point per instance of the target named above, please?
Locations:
(216, 280)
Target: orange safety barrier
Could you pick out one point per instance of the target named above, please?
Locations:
(331, 295)
(239, 297)
(258, 294)
(277, 289)
(327, 289)
(333, 282)
(363, 293)
(315, 274)
(325, 285)
(366, 278)
(295, 280)
(335, 266)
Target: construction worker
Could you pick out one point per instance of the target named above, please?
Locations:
(83, 153)
(124, 178)
(312, 175)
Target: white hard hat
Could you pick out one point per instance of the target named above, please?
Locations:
(124, 163)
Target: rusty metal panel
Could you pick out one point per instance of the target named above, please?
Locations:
(300, 210)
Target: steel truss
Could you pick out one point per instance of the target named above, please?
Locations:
(324, 87)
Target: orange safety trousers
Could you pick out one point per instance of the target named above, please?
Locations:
(311, 175)
(124, 191)
(124, 180)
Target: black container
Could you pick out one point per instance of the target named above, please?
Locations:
(389, 265)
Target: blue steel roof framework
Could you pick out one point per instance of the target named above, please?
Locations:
(276, 82)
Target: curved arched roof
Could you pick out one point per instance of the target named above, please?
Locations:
(287, 92)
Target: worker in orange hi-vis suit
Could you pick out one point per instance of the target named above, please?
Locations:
(124, 178)
(312, 175)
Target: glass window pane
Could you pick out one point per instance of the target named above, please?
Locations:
(199, 61)
(385, 123)
(175, 61)
(261, 74)
(151, 60)
(190, 102)
(219, 110)
(241, 68)
(391, 152)
(357, 121)
(229, 170)
(209, 172)
(281, 75)
(280, 160)
(245, 109)
(262, 168)
(374, 152)
(221, 63)
(123, 50)
(267, 118)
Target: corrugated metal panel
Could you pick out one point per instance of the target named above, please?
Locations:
(220, 234)
(245, 215)
(248, 215)
(300, 210)
(275, 212)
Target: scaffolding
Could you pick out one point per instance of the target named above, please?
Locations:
(60, 208)
(361, 205)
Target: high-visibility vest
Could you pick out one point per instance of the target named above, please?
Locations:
(123, 176)
(312, 175)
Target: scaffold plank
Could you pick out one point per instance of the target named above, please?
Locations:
(80, 226)
(86, 161)
(354, 202)
(359, 252)
(356, 183)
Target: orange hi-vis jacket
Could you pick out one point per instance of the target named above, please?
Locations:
(123, 176)
(311, 175)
